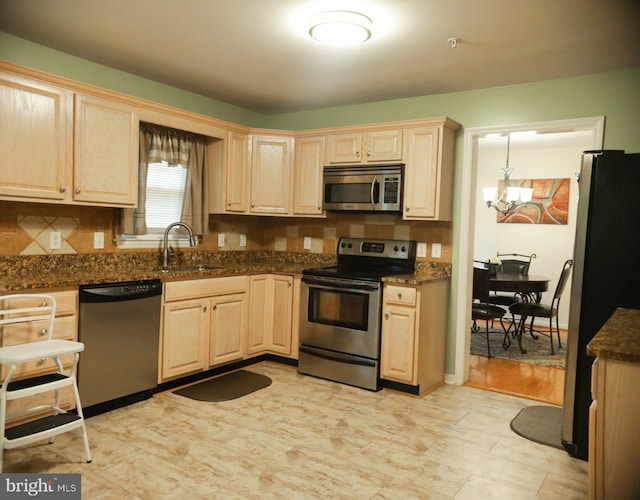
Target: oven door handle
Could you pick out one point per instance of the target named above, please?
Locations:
(336, 357)
(333, 285)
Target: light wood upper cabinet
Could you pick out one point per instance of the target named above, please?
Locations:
(428, 179)
(307, 176)
(35, 140)
(271, 174)
(105, 152)
(365, 147)
(237, 173)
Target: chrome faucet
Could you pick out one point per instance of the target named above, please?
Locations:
(165, 248)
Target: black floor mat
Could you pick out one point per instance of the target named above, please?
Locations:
(542, 424)
(227, 387)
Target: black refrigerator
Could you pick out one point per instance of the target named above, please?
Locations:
(606, 274)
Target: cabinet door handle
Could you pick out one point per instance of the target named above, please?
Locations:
(42, 332)
(62, 189)
(77, 190)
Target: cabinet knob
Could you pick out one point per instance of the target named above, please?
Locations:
(77, 191)
(41, 361)
(42, 332)
(358, 154)
(399, 296)
(62, 189)
(215, 306)
(44, 304)
(204, 309)
(386, 315)
(407, 208)
(368, 153)
(228, 203)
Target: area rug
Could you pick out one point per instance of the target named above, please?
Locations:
(542, 424)
(230, 386)
(538, 351)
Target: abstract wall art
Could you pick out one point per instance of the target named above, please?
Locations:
(549, 203)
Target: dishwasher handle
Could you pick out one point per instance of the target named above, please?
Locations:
(119, 292)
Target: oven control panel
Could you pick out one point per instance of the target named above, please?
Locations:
(390, 249)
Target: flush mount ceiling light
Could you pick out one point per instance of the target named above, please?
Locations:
(340, 27)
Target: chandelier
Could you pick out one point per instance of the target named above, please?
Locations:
(508, 199)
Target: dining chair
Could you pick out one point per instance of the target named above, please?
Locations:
(513, 264)
(536, 310)
(483, 309)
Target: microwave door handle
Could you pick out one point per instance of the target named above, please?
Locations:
(373, 186)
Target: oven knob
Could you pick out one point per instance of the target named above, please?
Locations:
(343, 244)
(395, 249)
(349, 245)
(404, 249)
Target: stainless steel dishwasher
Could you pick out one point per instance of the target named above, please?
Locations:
(119, 325)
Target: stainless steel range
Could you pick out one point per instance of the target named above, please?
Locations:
(341, 310)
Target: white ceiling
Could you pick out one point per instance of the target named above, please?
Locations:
(256, 53)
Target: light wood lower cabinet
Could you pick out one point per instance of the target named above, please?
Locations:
(203, 324)
(271, 314)
(65, 327)
(414, 324)
(185, 335)
(614, 441)
(228, 332)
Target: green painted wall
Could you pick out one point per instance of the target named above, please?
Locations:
(31, 55)
(616, 95)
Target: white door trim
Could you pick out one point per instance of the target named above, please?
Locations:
(467, 220)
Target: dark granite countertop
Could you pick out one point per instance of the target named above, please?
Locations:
(619, 338)
(63, 271)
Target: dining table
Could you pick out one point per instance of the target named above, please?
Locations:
(527, 289)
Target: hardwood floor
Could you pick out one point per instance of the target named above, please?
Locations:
(540, 383)
(306, 438)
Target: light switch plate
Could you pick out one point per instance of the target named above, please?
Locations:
(220, 239)
(422, 250)
(436, 250)
(307, 242)
(243, 240)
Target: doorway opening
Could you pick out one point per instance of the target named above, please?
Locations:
(590, 132)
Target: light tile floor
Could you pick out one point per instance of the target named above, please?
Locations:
(305, 438)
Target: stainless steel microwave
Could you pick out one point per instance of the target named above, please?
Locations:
(363, 188)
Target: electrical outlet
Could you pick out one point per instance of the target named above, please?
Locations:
(422, 250)
(220, 239)
(55, 240)
(243, 240)
(307, 242)
(98, 240)
(436, 250)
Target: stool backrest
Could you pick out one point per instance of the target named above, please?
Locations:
(25, 308)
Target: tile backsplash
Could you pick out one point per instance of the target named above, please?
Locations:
(25, 229)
